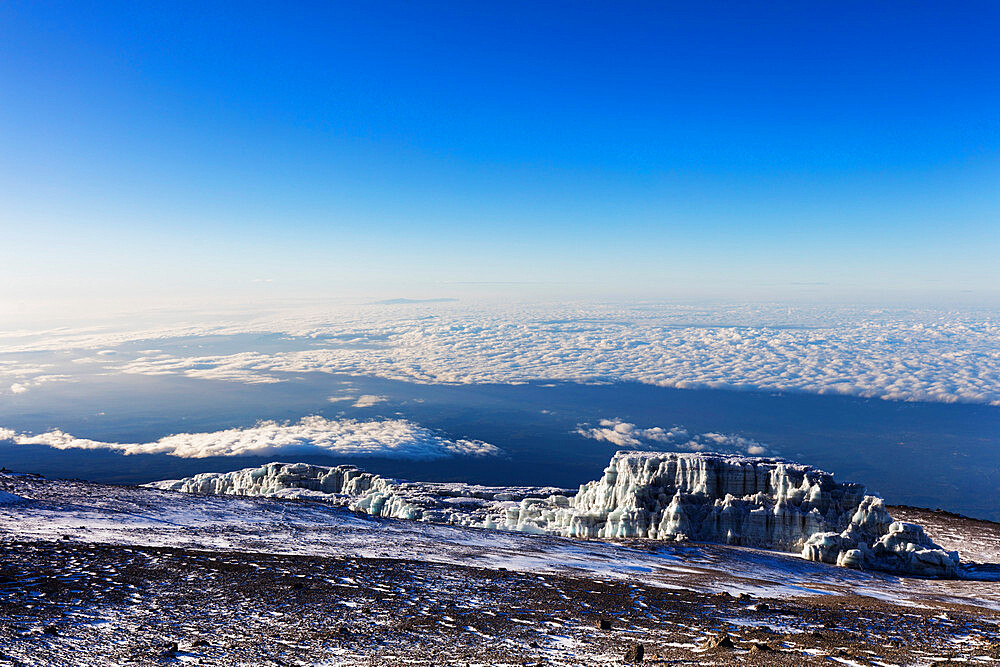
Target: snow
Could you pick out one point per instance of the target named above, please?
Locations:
(738, 500)
(9, 498)
(84, 513)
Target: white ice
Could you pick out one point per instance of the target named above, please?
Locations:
(738, 500)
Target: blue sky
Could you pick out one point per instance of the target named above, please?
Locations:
(751, 150)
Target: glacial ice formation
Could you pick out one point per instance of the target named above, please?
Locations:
(452, 503)
(751, 501)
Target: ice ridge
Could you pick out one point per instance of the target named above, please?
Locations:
(742, 500)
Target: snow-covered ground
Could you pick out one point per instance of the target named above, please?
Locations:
(80, 512)
(114, 570)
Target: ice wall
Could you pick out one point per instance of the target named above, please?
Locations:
(750, 501)
(454, 503)
(274, 478)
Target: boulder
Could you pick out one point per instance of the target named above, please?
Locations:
(635, 652)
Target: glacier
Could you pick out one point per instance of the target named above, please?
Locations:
(750, 501)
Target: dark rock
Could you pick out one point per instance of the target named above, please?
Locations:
(762, 606)
(635, 652)
(744, 597)
(604, 624)
(200, 642)
(759, 647)
(721, 641)
(51, 630)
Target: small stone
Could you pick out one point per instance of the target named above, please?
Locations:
(762, 606)
(51, 630)
(759, 647)
(635, 652)
(604, 624)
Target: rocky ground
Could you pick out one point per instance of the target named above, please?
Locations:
(96, 595)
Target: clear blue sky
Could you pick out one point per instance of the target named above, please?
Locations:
(398, 148)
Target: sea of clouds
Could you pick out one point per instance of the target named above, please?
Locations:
(911, 355)
(390, 438)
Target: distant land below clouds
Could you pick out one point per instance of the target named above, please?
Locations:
(903, 354)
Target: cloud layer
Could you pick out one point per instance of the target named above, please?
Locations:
(629, 436)
(899, 355)
(395, 438)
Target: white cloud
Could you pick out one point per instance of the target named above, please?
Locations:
(629, 436)
(930, 355)
(394, 438)
(368, 400)
(90, 360)
(234, 367)
(28, 377)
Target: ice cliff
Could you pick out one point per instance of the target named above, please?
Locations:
(760, 502)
